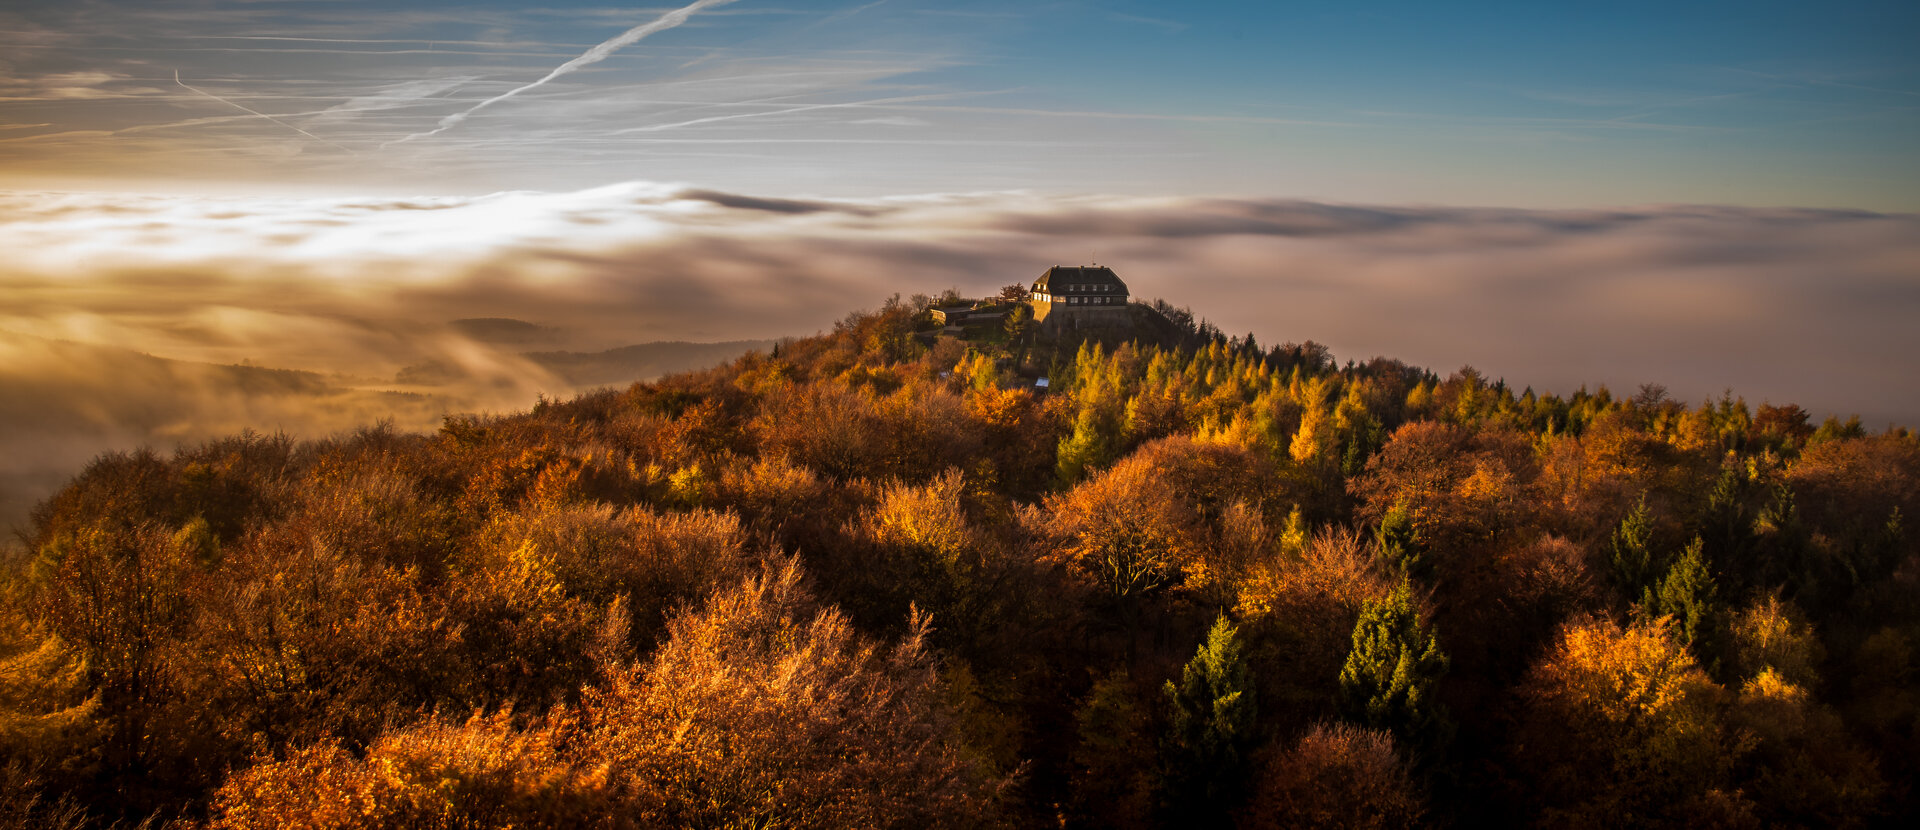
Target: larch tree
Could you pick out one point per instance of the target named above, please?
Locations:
(1622, 728)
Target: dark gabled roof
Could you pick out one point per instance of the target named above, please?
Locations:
(1060, 276)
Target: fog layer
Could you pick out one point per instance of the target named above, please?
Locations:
(1811, 307)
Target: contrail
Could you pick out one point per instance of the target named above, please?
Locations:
(594, 55)
(788, 111)
(176, 79)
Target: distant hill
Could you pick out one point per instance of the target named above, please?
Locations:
(62, 403)
(640, 362)
(506, 331)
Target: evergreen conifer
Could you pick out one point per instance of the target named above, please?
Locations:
(1209, 732)
(1399, 541)
(1630, 554)
(1390, 676)
(1690, 596)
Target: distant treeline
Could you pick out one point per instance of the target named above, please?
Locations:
(872, 579)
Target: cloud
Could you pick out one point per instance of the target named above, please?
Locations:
(88, 85)
(254, 112)
(391, 97)
(894, 121)
(367, 294)
(792, 206)
(595, 55)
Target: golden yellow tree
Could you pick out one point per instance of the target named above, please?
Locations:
(1623, 728)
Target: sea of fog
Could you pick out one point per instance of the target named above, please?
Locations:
(135, 320)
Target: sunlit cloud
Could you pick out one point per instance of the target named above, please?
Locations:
(1765, 298)
(122, 310)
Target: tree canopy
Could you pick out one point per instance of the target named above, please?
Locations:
(874, 578)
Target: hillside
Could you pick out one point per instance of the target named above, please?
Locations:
(869, 578)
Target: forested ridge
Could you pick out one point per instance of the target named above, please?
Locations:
(871, 578)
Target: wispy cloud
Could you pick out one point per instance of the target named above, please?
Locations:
(595, 55)
(1631, 122)
(393, 96)
(1119, 115)
(251, 111)
(874, 103)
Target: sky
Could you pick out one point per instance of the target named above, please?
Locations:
(273, 214)
(1521, 104)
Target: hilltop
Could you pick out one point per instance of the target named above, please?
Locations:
(872, 578)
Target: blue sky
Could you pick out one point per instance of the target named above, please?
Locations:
(1520, 104)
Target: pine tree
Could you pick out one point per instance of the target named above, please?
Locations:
(1209, 733)
(1630, 554)
(1690, 596)
(1726, 525)
(1390, 676)
(1399, 542)
(1781, 553)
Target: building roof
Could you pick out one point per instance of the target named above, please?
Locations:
(1061, 279)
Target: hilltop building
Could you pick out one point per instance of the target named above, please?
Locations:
(1069, 297)
(966, 314)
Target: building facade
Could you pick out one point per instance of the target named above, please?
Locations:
(1077, 296)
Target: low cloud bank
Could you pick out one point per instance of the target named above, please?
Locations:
(1812, 307)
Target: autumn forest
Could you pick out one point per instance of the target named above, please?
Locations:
(873, 578)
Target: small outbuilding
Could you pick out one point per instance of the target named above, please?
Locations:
(951, 315)
(965, 315)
